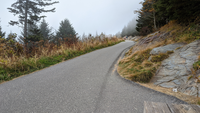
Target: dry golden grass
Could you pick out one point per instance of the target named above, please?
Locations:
(136, 59)
(13, 64)
(136, 67)
(168, 91)
(49, 51)
(182, 33)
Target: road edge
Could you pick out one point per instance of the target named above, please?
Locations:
(122, 54)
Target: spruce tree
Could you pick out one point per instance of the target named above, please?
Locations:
(34, 34)
(66, 30)
(29, 11)
(147, 17)
(45, 30)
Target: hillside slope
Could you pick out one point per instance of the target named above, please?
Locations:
(165, 59)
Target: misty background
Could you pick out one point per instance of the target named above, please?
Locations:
(88, 16)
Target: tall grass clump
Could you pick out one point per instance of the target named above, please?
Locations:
(138, 67)
(18, 59)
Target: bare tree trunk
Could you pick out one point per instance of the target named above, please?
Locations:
(154, 17)
(25, 26)
(25, 22)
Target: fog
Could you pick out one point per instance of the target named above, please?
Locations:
(88, 16)
(130, 28)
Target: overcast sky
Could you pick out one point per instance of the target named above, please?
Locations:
(86, 16)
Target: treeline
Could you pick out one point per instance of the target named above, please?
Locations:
(29, 13)
(156, 13)
(44, 32)
(40, 34)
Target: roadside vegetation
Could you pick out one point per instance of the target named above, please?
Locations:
(38, 46)
(16, 60)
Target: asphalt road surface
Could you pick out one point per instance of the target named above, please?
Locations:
(86, 84)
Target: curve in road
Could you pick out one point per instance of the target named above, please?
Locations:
(85, 84)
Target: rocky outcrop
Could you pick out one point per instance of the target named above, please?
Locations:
(174, 71)
(164, 49)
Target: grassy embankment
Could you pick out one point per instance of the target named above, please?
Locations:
(13, 65)
(136, 66)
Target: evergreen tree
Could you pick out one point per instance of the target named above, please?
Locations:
(66, 30)
(156, 13)
(184, 11)
(147, 18)
(34, 35)
(45, 30)
(29, 11)
(2, 34)
(30, 27)
(31, 32)
(144, 21)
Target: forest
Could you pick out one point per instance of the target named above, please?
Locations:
(156, 13)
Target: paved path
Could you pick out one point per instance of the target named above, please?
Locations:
(86, 84)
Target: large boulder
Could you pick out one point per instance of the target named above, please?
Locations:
(174, 71)
(164, 49)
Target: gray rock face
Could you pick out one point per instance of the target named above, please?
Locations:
(164, 49)
(174, 71)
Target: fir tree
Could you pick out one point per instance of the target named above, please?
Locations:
(45, 30)
(29, 12)
(66, 30)
(34, 35)
(147, 17)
